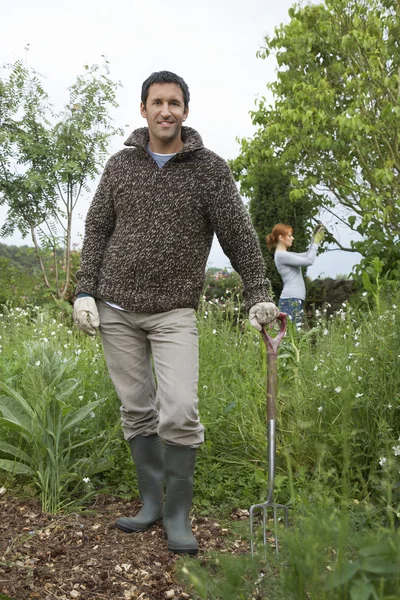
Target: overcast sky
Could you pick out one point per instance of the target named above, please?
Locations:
(212, 44)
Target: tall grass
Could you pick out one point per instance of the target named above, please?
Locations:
(338, 403)
(338, 447)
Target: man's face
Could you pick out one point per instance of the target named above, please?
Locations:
(164, 111)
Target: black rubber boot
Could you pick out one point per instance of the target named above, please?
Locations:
(148, 456)
(179, 464)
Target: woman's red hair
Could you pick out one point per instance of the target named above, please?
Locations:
(272, 238)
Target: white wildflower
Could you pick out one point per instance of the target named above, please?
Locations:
(348, 368)
(359, 395)
(396, 450)
(389, 406)
(365, 294)
(37, 363)
(325, 332)
(320, 408)
(371, 359)
(214, 331)
(382, 461)
(86, 479)
(80, 397)
(338, 390)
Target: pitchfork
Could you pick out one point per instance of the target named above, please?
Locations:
(272, 345)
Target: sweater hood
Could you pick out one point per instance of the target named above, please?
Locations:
(191, 139)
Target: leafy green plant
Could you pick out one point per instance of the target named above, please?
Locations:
(46, 434)
(374, 574)
(226, 577)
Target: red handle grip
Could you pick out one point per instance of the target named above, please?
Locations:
(273, 343)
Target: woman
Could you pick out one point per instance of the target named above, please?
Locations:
(289, 267)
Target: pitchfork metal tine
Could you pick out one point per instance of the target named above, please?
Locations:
(272, 345)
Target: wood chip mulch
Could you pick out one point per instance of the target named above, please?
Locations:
(84, 556)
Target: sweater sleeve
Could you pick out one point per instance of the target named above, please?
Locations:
(99, 225)
(304, 259)
(238, 239)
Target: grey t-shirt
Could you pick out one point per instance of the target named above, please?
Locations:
(289, 266)
(160, 159)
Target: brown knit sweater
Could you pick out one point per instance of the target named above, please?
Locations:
(149, 231)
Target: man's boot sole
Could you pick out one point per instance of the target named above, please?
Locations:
(183, 550)
(127, 529)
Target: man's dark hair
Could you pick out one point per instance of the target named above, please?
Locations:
(165, 77)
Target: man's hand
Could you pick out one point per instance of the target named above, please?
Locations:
(263, 313)
(86, 315)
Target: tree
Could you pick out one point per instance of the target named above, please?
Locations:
(47, 159)
(268, 189)
(335, 123)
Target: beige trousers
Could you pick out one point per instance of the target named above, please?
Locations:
(169, 407)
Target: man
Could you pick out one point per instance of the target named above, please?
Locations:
(148, 235)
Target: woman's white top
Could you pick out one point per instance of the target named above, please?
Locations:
(289, 267)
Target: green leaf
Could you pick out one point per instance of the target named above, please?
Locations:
(15, 419)
(366, 282)
(16, 397)
(14, 451)
(76, 417)
(88, 467)
(66, 387)
(343, 574)
(351, 220)
(11, 426)
(375, 550)
(380, 566)
(16, 468)
(362, 590)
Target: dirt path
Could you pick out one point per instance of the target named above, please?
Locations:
(84, 556)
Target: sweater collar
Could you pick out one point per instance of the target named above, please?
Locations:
(191, 139)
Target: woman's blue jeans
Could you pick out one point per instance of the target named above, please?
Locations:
(293, 307)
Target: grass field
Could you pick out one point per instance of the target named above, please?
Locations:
(338, 447)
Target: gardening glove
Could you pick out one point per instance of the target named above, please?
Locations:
(263, 313)
(316, 229)
(86, 315)
(319, 236)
